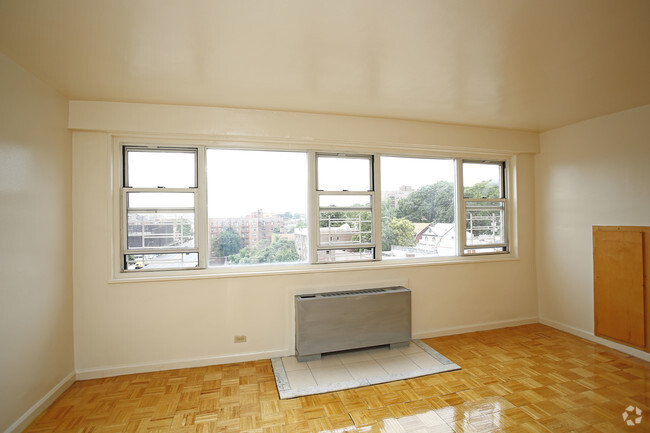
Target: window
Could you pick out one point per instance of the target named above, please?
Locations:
(345, 195)
(250, 188)
(484, 200)
(418, 211)
(159, 192)
(208, 207)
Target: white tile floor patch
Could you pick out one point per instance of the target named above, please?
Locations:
(355, 368)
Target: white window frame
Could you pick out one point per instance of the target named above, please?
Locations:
(454, 160)
(118, 212)
(198, 193)
(462, 209)
(315, 208)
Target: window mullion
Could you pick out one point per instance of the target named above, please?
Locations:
(124, 226)
(201, 209)
(461, 232)
(313, 212)
(376, 208)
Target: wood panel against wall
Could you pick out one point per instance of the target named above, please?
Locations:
(621, 304)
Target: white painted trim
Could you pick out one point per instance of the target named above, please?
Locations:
(233, 124)
(21, 423)
(591, 337)
(273, 270)
(146, 367)
(485, 326)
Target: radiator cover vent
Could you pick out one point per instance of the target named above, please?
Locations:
(351, 319)
(348, 293)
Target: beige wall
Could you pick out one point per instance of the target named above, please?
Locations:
(595, 172)
(136, 326)
(36, 353)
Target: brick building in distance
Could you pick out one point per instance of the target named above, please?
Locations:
(251, 228)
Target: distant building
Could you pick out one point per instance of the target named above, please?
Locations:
(159, 230)
(251, 228)
(432, 240)
(440, 238)
(419, 229)
(334, 235)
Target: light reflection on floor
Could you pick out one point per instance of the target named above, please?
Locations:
(481, 416)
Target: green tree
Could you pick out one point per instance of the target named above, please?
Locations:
(360, 222)
(388, 210)
(333, 219)
(226, 243)
(398, 231)
(486, 219)
(279, 251)
(484, 189)
(283, 250)
(429, 204)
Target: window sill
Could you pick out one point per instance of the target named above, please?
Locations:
(257, 271)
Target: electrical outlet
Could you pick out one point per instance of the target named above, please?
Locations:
(240, 339)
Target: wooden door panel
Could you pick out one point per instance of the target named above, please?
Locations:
(619, 301)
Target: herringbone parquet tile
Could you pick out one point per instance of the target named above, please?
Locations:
(526, 379)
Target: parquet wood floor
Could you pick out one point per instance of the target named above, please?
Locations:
(525, 379)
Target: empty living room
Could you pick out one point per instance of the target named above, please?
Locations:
(325, 216)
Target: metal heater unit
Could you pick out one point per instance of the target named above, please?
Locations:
(335, 321)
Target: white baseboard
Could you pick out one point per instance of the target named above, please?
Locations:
(591, 337)
(118, 370)
(21, 423)
(476, 327)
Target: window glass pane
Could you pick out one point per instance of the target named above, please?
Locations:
(482, 180)
(160, 168)
(484, 225)
(164, 200)
(349, 227)
(418, 211)
(257, 207)
(346, 255)
(161, 261)
(344, 173)
(332, 201)
(160, 230)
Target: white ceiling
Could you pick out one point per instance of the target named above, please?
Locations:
(521, 64)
